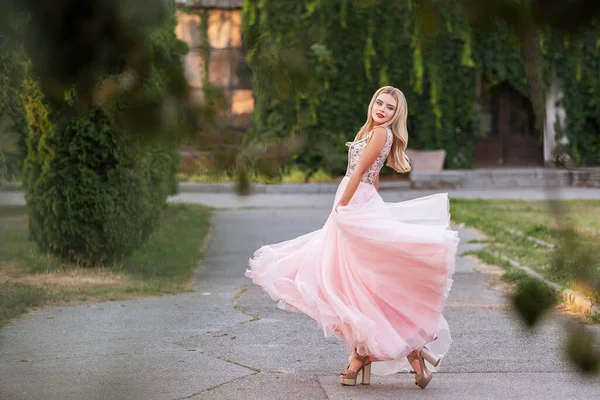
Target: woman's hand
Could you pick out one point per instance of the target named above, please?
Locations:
(339, 205)
(372, 150)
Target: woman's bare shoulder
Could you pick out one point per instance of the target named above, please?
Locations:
(378, 132)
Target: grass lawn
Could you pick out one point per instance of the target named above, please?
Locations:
(525, 231)
(164, 265)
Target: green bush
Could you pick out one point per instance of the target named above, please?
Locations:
(320, 177)
(96, 187)
(294, 175)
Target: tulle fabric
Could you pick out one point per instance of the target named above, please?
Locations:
(377, 275)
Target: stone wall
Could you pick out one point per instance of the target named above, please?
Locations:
(586, 177)
(216, 57)
(511, 178)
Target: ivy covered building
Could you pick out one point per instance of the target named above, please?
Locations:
(213, 31)
(466, 90)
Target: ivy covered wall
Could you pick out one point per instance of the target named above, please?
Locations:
(349, 49)
(578, 68)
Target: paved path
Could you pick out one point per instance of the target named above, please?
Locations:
(231, 201)
(228, 341)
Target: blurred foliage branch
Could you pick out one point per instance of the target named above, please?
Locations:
(571, 21)
(100, 47)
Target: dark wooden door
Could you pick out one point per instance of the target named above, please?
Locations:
(514, 139)
(521, 141)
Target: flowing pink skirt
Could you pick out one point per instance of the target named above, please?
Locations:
(377, 275)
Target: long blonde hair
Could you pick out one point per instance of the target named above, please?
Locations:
(397, 158)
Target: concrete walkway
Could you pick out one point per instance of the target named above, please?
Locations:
(231, 201)
(228, 341)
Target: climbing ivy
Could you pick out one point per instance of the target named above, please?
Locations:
(579, 63)
(349, 49)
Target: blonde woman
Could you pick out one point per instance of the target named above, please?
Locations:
(377, 274)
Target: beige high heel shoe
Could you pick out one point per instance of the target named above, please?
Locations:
(429, 357)
(422, 374)
(348, 377)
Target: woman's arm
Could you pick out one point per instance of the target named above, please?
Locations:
(372, 150)
(376, 183)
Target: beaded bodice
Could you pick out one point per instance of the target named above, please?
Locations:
(355, 152)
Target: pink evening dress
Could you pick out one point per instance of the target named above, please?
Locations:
(376, 274)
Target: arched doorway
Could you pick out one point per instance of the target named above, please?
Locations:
(508, 122)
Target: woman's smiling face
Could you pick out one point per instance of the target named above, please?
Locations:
(384, 108)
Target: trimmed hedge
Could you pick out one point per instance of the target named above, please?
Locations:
(96, 190)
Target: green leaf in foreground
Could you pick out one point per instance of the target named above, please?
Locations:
(532, 300)
(580, 350)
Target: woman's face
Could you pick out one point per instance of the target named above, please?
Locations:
(384, 108)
